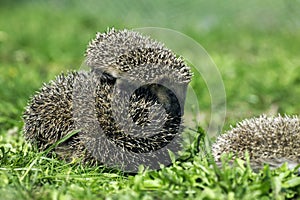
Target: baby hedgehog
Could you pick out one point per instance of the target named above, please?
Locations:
(125, 53)
(136, 60)
(50, 114)
(268, 140)
(124, 120)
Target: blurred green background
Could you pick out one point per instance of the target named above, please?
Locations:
(255, 45)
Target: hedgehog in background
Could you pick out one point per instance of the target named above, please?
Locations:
(268, 140)
(128, 107)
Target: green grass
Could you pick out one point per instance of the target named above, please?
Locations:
(254, 44)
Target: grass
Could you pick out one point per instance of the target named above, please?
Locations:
(255, 46)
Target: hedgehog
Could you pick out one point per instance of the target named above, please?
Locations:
(133, 53)
(267, 139)
(49, 116)
(139, 60)
(122, 121)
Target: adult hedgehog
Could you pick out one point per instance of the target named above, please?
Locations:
(128, 107)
